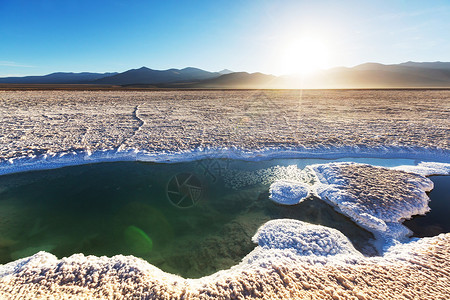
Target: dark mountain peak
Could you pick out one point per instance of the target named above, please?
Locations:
(145, 75)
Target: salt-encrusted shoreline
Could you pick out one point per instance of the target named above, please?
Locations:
(72, 158)
(279, 268)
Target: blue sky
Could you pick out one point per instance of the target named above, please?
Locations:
(44, 36)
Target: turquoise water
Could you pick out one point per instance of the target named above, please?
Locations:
(185, 218)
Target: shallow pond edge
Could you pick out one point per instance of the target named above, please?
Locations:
(80, 157)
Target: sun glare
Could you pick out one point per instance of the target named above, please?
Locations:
(303, 56)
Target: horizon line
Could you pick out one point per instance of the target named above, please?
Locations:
(249, 72)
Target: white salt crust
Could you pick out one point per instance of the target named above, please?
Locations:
(304, 262)
(376, 198)
(288, 192)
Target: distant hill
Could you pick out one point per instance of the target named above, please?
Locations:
(430, 65)
(238, 80)
(225, 71)
(371, 75)
(145, 75)
(57, 78)
(368, 75)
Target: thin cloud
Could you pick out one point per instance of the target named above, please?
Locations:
(14, 64)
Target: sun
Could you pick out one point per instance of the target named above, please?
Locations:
(303, 56)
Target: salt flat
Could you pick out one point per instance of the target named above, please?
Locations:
(38, 122)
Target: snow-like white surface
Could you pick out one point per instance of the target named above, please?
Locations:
(304, 238)
(288, 192)
(427, 168)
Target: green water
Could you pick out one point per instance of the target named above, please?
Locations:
(144, 209)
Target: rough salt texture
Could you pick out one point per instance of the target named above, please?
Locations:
(33, 123)
(288, 192)
(417, 270)
(304, 238)
(377, 198)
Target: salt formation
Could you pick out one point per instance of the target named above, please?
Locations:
(303, 238)
(376, 198)
(288, 192)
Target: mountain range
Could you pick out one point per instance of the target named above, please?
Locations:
(57, 78)
(368, 75)
(145, 75)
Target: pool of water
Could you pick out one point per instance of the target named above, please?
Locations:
(191, 219)
(437, 220)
